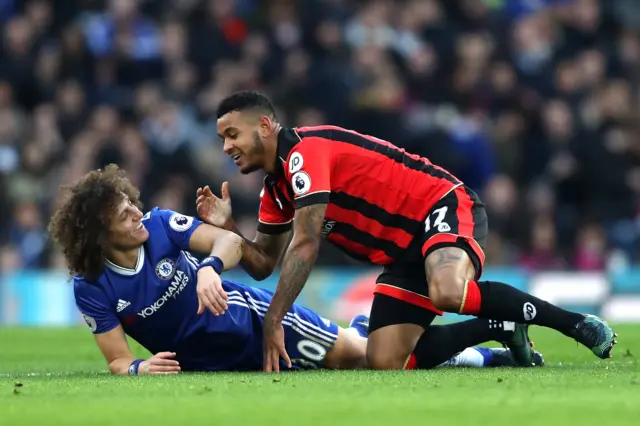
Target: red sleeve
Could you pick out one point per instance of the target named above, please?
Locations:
(308, 171)
(273, 217)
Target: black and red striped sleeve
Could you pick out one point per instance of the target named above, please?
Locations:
(308, 172)
(273, 217)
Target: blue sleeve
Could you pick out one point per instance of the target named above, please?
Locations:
(94, 306)
(179, 227)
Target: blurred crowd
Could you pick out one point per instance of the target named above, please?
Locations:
(533, 103)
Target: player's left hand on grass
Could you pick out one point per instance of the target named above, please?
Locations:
(160, 363)
(211, 295)
(273, 335)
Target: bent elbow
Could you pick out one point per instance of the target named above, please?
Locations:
(263, 269)
(236, 240)
(262, 274)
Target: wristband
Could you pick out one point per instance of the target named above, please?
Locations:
(215, 262)
(133, 368)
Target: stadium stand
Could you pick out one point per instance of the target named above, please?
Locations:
(532, 103)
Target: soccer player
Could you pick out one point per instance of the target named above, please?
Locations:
(135, 275)
(387, 207)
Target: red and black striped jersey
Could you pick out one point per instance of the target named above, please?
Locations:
(378, 195)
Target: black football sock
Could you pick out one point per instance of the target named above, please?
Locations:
(439, 343)
(490, 299)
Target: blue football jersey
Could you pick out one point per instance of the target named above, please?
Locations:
(156, 304)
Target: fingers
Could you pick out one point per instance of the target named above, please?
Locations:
(285, 356)
(275, 360)
(266, 356)
(271, 359)
(208, 303)
(220, 298)
(202, 199)
(165, 362)
(161, 363)
(210, 299)
(164, 369)
(211, 294)
(221, 294)
(225, 190)
(203, 194)
(201, 208)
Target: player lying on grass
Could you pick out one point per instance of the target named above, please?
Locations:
(387, 207)
(135, 276)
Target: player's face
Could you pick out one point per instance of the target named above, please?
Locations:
(242, 141)
(126, 230)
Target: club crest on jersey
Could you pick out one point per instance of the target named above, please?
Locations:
(165, 269)
(301, 183)
(179, 222)
(295, 162)
(90, 322)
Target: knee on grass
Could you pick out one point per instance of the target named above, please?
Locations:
(386, 360)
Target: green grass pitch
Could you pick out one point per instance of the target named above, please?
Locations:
(57, 377)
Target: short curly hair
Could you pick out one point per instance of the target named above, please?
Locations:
(245, 100)
(80, 224)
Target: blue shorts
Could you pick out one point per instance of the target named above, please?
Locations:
(308, 337)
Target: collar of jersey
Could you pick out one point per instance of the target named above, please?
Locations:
(287, 139)
(126, 271)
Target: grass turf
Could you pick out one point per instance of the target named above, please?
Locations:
(58, 377)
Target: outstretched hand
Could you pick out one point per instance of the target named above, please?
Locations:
(160, 363)
(273, 335)
(212, 209)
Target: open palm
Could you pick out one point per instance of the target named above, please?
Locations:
(213, 210)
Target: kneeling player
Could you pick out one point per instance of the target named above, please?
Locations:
(135, 275)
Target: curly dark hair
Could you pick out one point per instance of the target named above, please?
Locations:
(245, 100)
(79, 225)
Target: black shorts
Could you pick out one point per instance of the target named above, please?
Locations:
(387, 310)
(459, 220)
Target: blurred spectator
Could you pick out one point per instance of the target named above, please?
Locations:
(28, 234)
(591, 248)
(542, 252)
(534, 104)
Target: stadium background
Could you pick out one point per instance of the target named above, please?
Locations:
(533, 103)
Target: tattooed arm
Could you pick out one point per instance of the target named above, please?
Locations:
(298, 260)
(261, 255)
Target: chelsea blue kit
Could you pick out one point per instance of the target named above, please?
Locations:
(156, 304)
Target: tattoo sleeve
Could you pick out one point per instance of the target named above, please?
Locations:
(261, 255)
(298, 259)
(446, 257)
